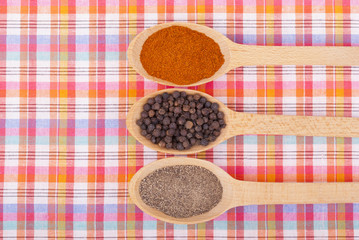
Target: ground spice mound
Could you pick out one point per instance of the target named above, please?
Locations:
(181, 55)
(181, 191)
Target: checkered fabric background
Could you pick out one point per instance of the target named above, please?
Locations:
(65, 87)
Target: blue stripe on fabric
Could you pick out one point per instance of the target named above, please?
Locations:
(179, 227)
(320, 140)
(43, 208)
(289, 140)
(355, 221)
(110, 225)
(9, 208)
(149, 225)
(80, 208)
(110, 208)
(45, 56)
(40, 225)
(80, 123)
(250, 139)
(220, 225)
(289, 39)
(11, 140)
(12, 123)
(46, 39)
(250, 225)
(249, 38)
(9, 225)
(115, 39)
(290, 208)
(290, 225)
(80, 225)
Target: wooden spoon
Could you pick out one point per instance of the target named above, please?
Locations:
(239, 123)
(240, 193)
(237, 55)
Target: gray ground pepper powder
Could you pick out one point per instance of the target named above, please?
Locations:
(181, 191)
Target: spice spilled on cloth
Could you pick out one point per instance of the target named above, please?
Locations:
(181, 55)
(181, 191)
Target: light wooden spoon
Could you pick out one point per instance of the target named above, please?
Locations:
(240, 193)
(239, 123)
(237, 55)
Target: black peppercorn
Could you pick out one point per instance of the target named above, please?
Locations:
(163, 133)
(151, 113)
(180, 121)
(204, 142)
(156, 132)
(205, 111)
(215, 106)
(147, 107)
(151, 101)
(162, 144)
(162, 111)
(186, 144)
(183, 132)
(156, 106)
(176, 94)
(147, 121)
(198, 128)
(158, 99)
(168, 139)
(180, 146)
(212, 116)
(150, 128)
(165, 96)
(197, 97)
(170, 132)
(186, 108)
(199, 121)
(144, 114)
(220, 115)
(203, 100)
(189, 124)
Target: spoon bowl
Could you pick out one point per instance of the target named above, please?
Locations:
(136, 110)
(135, 47)
(240, 193)
(236, 55)
(221, 207)
(239, 123)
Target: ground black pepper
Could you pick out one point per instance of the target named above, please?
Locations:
(181, 191)
(180, 121)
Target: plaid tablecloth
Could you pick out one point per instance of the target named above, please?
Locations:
(65, 87)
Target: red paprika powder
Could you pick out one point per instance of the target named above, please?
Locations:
(181, 55)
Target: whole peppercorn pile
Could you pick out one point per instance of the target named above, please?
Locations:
(179, 121)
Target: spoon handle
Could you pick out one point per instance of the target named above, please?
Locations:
(254, 193)
(247, 55)
(246, 123)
